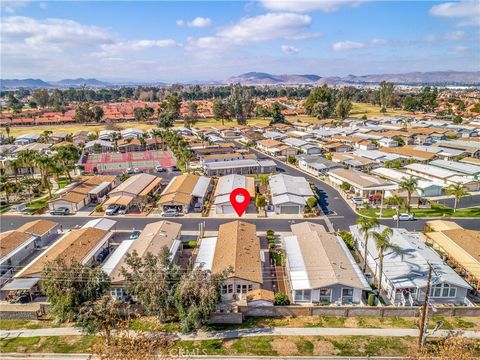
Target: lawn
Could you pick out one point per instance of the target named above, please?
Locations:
(421, 213)
(36, 205)
(10, 324)
(360, 109)
(62, 182)
(49, 344)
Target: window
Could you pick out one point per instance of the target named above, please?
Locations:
(347, 295)
(244, 289)
(325, 295)
(250, 287)
(443, 291)
(239, 289)
(303, 295)
(224, 289)
(230, 288)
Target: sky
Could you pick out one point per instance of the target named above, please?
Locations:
(213, 40)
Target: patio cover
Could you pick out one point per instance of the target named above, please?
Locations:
(21, 284)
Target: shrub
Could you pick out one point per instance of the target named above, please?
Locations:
(347, 238)
(312, 202)
(270, 232)
(190, 244)
(99, 208)
(270, 237)
(281, 299)
(345, 186)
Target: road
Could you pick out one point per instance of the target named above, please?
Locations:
(341, 214)
(465, 202)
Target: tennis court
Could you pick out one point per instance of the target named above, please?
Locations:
(119, 162)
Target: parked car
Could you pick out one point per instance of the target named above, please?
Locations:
(174, 168)
(60, 211)
(122, 210)
(112, 209)
(158, 168)
(404, 217)
(137, 171)
(170, 212)
(134, 235)
(358, 201)
(129, 171)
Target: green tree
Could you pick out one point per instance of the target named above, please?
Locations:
(264, 179)
(69, 285)
(312, 202)
(7, 187)
(428, 98)
(277, 116)
(197, 297)
(41, 97)
(383, 244)
(240, 103)
(292, 160)
(398, 202)
(192, 116)
(46, 137)
(347, 238)
(14, 104)
(260, 201)
(412, 104)
(174, 104)
(345, 186)
(343, 108)
(219, 110)
(281, 299)
(84, 113)
(100, 316)
(365, 226)
(27, 160)
(458, 191)
(153, 280)
(386, 94)
(457, 120)
(44, 164)
(98, 113)
(321, 102)
(409, 185)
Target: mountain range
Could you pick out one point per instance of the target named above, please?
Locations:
(439, 78)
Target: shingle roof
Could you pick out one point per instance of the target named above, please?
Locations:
(239, 247)
(10, 240)
(37, 227)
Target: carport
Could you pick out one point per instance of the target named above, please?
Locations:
(120, 200)
(17, 286)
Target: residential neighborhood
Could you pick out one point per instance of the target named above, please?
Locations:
(240, 180)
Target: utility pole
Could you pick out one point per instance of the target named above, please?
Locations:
(423, 320)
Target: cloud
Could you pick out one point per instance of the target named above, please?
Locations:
(289, 50)
(266, 27)
(198, 22)
(137, 45)
(309, 5)
(430, 38)
(351, 45)
(11, 6)
(455, 35)
(460, 49)
(467, 12)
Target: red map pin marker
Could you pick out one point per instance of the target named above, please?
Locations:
(240, 205)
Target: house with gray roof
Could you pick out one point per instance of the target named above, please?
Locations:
(404, 274)
(289, 193)
(316, 164)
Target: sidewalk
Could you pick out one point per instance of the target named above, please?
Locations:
(232, 334)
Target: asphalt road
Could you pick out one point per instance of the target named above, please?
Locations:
(465, 202)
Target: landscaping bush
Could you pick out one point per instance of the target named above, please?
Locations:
(312, 202)
(270, 232)
(190, 244)
(271, 245)
(347, 239)
(281, 299)
(98, 208)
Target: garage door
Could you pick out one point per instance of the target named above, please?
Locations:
(289, 209)
(227, 209)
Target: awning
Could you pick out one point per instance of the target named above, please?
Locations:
(124, 200)
(154, 184)
(21, 284)
(98, 189)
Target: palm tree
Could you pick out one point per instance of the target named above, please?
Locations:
(44, 162)
(186, 157)
(365, 225)
(382, 242)
(398, 202)
(458, 191)
(114, 137)
(29, 184)
(409, 185)
(7, 187)
(155, 133)
(14, 165)
(46, 137)
(27, 159)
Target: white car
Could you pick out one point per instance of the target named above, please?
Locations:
(404, 217)
(358, 201)
(170, 212)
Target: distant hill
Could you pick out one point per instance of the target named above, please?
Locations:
(259, 78)
(80, 82)
(413, 78)
(24, 83)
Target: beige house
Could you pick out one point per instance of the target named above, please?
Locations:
(153, 239)
(236, 247)
(184, 191)
(135, 191)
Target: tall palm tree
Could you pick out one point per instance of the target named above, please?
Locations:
(458, 191)
(29, 184)
(7, 187)
(186, 157)
(382, 242)
(114, 137)
(155, 133)
(44, 163)
(27, 159)
(409, 185)
(398, 202)
(46, 136)
(14, 165)
(365, 225)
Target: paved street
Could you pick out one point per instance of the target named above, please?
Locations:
(467, 201)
